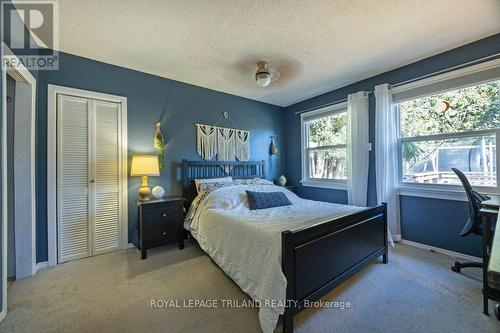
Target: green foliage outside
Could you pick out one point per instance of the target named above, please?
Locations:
(470, 109)
(328, 131)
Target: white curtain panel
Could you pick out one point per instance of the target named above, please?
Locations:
(386, 155)
(357, 148)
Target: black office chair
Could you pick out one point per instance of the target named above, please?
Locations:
(473, 224)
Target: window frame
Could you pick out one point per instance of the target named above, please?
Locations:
(306, 180)
(442, 191)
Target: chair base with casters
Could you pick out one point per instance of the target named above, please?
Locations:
(494, 295)
(479, 223)
(459, 265)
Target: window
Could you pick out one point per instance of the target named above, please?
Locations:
(324, 147)
(458, 128)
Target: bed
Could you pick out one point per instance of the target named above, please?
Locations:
(299, 252)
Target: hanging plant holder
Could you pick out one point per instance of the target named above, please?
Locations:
(159, 144)
(273, 148)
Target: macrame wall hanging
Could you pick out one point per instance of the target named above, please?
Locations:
(225, 144)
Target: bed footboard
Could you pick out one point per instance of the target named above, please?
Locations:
(318, 258)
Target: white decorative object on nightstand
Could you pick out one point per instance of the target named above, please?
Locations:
(158, 192)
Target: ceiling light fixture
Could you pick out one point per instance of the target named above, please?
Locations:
(263, 74)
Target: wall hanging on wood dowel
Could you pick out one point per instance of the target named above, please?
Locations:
(225, 144)
(159, 144)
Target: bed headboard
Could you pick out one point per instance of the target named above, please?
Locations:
(192, 170)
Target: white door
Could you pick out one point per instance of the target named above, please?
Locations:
(88, 176)
(106, 176)
(73, 208)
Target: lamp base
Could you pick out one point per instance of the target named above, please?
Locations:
(144, 191)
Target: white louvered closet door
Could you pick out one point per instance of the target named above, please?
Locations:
(106, 170)
(89, 187)
(73, 218)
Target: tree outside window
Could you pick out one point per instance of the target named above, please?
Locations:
(326, 146)
(457, 128)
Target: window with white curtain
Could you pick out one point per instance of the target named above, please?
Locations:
(451, 123)
(324, 147)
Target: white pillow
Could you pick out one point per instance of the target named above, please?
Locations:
(198, 182)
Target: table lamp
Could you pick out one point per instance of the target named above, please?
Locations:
(144, 166)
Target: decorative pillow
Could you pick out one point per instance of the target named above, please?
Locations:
(252, 181)
(198, 182)
(206, 188)
(263, 200)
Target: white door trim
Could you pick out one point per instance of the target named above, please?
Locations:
(52, 92)
(21, 73)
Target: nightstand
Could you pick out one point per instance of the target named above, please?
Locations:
(290, 188)
(160, 223)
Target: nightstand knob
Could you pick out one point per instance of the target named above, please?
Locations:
(164, 215)
(164, 233)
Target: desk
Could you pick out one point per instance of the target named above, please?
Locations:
(491, 252)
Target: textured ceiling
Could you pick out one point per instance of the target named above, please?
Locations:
(316, 45)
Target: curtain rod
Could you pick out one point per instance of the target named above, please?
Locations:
(326, 105)
(442, 71)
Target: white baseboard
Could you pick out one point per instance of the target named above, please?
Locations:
(42, 265)
(45, 264)
(3, 314)
(449, 253)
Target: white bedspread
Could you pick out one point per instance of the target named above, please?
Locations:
(246, 244)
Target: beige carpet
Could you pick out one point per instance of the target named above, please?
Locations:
(415, 292)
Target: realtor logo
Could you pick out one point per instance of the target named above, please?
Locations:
(30, 30)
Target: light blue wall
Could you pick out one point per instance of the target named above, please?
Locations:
(420, 221)
(152, 98)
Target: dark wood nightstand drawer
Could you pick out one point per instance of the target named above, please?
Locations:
(160, 223)
(166, 214)
(161, 235)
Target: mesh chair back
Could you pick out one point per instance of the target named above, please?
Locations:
(474, 199)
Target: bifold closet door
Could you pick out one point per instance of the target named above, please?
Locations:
(88, 177)
(73, 139)
(106, 173)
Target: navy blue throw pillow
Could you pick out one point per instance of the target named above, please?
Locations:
(262, 200)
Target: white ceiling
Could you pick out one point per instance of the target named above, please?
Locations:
(316, 45)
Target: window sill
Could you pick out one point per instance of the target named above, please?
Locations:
(455, 193)
(335, 185)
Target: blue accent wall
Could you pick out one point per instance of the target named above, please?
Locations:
(150, 99)
(428, 221)
(178, 106)
(437, 223)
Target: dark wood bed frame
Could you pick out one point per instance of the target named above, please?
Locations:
(316, 258)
